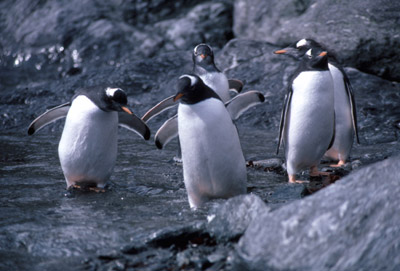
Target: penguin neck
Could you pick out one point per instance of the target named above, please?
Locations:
(317, 66)
(201, 69)
(95, 95)
(197, 97)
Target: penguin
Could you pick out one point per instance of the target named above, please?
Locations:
(88, 146)
(345, 107)
(212, 157)
(308, 117)
(236, 107)
(204, 66)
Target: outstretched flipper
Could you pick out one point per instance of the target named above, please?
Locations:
(133, 123)
(235, 85)
(239, 104)
(49, 116)
(160, 107)
(167, 132)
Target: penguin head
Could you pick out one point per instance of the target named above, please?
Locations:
(191, 89)
(203, 56)
(115, 99)
(316, 59)
(299, 48)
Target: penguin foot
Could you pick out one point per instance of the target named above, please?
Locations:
(314, 172)
(97, 189)
(85, 188)
(292, 179)
(339, 164)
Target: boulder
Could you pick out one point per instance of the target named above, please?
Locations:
(364, 34)
(351, 225)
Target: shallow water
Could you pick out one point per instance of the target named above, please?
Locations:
(41, 221)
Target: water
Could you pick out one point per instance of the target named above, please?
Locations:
(41, 221)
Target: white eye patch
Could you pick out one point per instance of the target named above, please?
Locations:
(309, 53)
(193, 80)
(301, 43)
(110, 91)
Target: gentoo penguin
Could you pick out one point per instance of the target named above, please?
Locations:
(307, 121)
(345, 107)
(88, 145)
(213, 162)
(236, 107)
(204, 66)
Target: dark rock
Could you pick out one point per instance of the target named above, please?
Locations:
(351, 225)
(229, 220)
(364, 34)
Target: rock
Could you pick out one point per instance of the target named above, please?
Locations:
(364, 34)
(229, 220)
(351, 225)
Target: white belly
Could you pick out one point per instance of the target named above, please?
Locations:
(309, 126)
(218, 82)
(88, 145)
(344, 134)
(213, 162)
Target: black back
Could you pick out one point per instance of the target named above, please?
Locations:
(194, 90)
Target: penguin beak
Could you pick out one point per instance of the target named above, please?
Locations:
(280, 52)
(178, 96)
(324, 53)
(127, 110)
(203, 56)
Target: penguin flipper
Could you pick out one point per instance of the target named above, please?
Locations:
(350, 94)
(334, 131)
(243, 101)
(235, 85)
(133, 123)
(288, 98)
(49, 116)
(160, 107)
(167, 132)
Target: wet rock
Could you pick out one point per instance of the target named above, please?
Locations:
(229, 220)
(364, 34)
(273, 164)
(351, 225)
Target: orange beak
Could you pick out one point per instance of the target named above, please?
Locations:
(203, 56)
(279, 52)
(178, 96)
(324, 53)
(126, 109)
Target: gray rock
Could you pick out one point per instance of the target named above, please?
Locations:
(229, 220)
(364, 34)
(351, 225)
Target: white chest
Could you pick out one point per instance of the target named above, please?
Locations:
(218, 82)
(88, 145)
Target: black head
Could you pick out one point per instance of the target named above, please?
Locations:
(191, 89)
(299, 48)
(315, 59)
(203, 56)
(107, 99)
